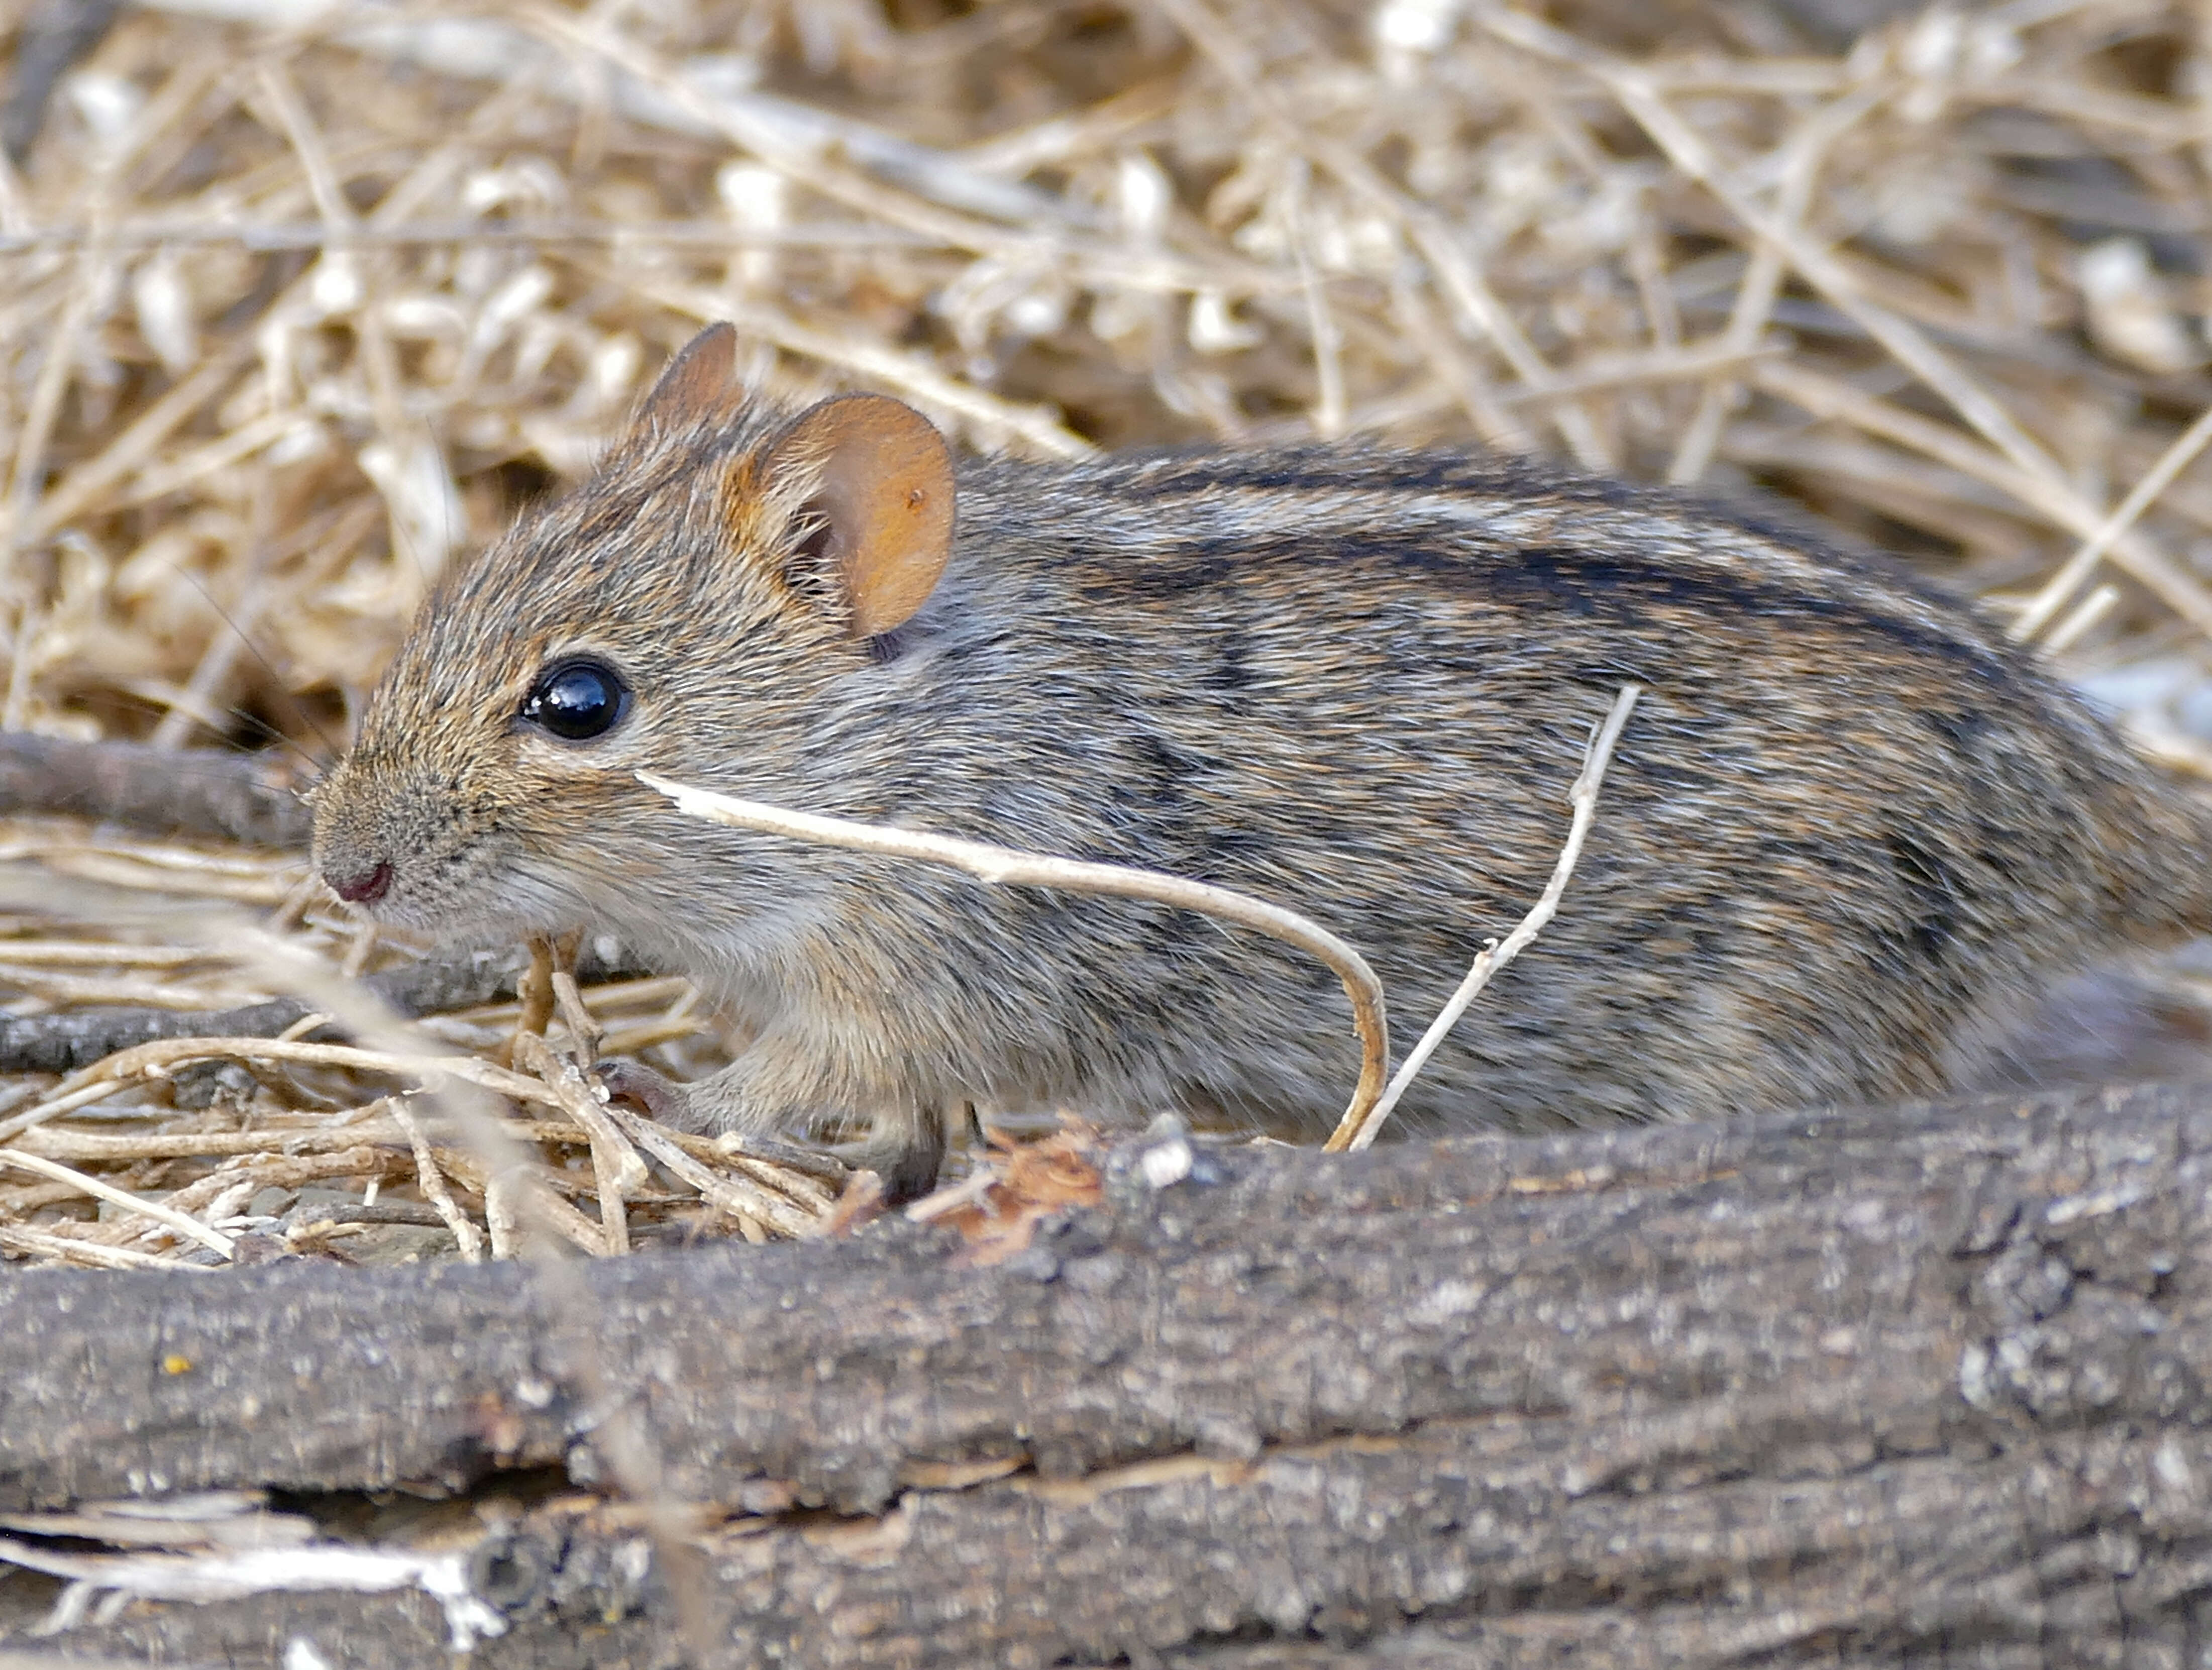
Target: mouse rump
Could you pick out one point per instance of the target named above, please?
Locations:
(2136, 1018)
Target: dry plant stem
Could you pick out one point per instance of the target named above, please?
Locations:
(541, 1206)
(750, 1205)
(613, 993)
(1328, 415)
(360, 949)
(45, 407)
(268, 237)
(1689, 154)
(2086, 614)
(133, 870)
(1351, 1136)
(1486, 407)
(93, 1254)
(1830, 398)
(1905, 341)
(71, 1041)
(1057, 139)
(81, 487)
(198, 705)
(51, 40)
(644, 1035)
(54, 1107)
(1452, 265)
(178, 993)
(96, 267)
(24, 480)
(76, 1144)
(38, 953)
(2060, 588)
(967, 1191)
(1009, 867)
(350, 1134)
(585, 1032)
(535, 1197)
(378, 359)
(1605, 374)
(77, 491)
(820, 167)
(1762, 282)
(789, 1173)
(616, 1169)
(501, 1220)
(228, 1188)
(455, 1082)
(432, 1181)
(169, 1218)
(815, 165)
(154, 1060)
(911, 373)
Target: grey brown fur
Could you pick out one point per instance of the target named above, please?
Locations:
(1848, 837)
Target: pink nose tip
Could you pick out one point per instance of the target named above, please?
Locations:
(366, 888)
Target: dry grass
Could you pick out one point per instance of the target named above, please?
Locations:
(298, 310)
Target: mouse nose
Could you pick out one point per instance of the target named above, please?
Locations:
(365, 889)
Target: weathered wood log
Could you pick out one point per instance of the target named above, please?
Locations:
(166, 790)
(1920, 1385)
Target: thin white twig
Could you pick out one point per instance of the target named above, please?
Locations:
(2059, 589)
(617, 1170)
(2079, 620)
(37, 1243)
(2049, 495)
(1014, 868)
(54, 1107)
(502, 1222)
(1353, 1135)
(741, 1198)
(433, 1184)
(155, 1059)
(1327, 414)
(182, 1223)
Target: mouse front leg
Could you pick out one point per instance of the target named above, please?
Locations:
(723, 1104)
(770, 1091)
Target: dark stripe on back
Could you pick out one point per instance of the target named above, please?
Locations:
(1153, 481)
(1617, 588)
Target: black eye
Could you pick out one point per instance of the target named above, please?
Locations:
(577, 701)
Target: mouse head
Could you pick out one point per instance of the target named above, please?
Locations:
(714, 605)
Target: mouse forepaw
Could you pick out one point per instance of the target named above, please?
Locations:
(663, 1100)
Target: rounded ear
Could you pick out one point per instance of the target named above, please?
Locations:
(701, 383)
(882, 495)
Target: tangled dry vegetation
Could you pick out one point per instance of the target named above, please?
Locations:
(303, 299)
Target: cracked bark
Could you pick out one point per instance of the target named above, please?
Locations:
(1916, 1385)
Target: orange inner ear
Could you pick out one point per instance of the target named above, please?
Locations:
(884, 491)
(700, 383)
